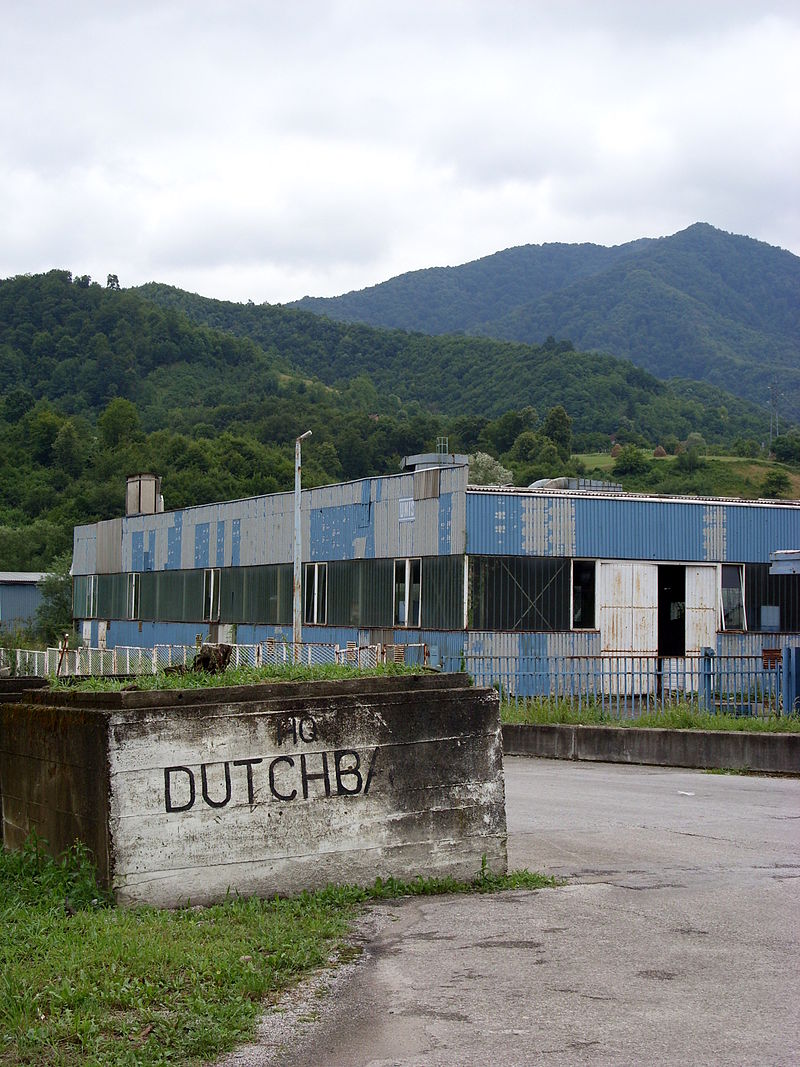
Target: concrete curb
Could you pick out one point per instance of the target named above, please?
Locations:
(768, 753)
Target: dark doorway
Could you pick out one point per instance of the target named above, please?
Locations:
(671, 611)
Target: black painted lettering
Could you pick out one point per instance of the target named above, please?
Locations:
(287, 727)
(370, 771)
(204, 778)
(168, 804)
(322, 776)
(249, 764)
(272, 787)
(350, 757)
(308, 728)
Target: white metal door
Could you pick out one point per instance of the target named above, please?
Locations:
(701, 608)
(629, 608)
(628, 599)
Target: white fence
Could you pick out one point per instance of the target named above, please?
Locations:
(128, 660)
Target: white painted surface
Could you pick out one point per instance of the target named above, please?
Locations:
(701, 608)
(239, 798)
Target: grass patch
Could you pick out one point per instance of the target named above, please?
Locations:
(677, 716)
(290, 672)
(82, 982)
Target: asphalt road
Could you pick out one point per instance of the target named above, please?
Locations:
(675, 941)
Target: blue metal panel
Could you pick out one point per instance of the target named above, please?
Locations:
(335, 531)
(174, 537)
(756, 530)
(445, 523)
(621, 528)
(150, 554)
(221, 543)
(201, 544)
(137, 550)
(236, 541)
(18, 603)
(494, 524)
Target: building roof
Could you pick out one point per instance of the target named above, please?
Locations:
(21, 577)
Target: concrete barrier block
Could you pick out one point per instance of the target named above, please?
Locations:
(267, 789)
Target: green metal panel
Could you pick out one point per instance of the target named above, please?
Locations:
(257, 594)
(112, 596)
(443, 592)
(79, 583)
(519, 593)
(172, 596)
(360, 592)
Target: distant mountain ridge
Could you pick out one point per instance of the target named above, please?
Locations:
(701, 304)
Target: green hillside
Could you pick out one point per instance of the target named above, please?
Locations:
(701, 304)
(99, 383)
(458, 375)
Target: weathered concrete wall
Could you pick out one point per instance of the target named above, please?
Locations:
(273, 788)
(768, 753)
(14, 689)
(54, 778)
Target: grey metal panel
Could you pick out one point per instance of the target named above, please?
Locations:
(109, 546)
(84, 550)
(426, 484)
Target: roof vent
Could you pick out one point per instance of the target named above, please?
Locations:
(143, 495)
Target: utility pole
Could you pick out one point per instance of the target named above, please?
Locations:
(297, 584)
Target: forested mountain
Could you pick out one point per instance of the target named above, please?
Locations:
(98, 383)
(478, 376)
(701, 304)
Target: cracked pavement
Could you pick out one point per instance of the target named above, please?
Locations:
(675, 940)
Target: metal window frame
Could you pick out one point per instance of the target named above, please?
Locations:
(134, 594)
(211, 597)
(407, 561)
(741, 568)
(312, 575)
(572, 626)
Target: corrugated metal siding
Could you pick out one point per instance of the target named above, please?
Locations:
(755, 531)
(443, 592)
(626, 528)
(112, 595)
(18, 603)
(202, 544)
(84, 550)
(109, 546)
(360, 592)
(172, 596)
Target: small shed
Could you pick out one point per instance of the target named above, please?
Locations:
(20, 596)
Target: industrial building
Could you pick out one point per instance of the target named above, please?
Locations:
(425, 558)
(20, 596)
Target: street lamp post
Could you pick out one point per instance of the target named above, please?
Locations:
(297, 584)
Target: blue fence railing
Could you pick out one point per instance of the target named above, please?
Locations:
(628, 685)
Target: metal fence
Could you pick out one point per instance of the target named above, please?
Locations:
(128, 660)
(630, 686)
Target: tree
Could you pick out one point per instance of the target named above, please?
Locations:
(486, 470)
(119, 422)
(112, 282)
(558, 427)
(54, 614)
(631, 460)
(776, 484)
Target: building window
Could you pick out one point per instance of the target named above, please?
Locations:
(583, 583)
(732, 597)
(407, 591)
(316, 598)
(211, 595)
(519, 593)
(91, 597)
(133, 595)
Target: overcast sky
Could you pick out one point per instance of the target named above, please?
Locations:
(264, 150)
